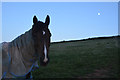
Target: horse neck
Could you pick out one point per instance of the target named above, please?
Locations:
(24, 45)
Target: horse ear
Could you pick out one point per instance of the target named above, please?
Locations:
(47, 21)
(35, 19)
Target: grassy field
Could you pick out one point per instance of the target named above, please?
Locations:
(92, 58)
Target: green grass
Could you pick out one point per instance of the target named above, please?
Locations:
(81, 58)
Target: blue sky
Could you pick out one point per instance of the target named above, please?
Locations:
(68, 20)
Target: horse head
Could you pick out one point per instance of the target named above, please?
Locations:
(41, 36)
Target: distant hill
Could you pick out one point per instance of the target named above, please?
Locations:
(94, 38)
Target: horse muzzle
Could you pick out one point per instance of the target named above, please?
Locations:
(44, 61)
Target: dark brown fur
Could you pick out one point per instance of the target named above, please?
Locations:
(39, 38)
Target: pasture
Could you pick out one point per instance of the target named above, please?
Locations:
(90, 58)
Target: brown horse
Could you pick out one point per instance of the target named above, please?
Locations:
(21, 55)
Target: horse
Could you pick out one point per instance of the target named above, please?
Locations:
(20, 56)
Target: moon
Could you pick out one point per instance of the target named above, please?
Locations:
(98, 14)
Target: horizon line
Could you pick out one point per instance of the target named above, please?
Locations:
(86, 38)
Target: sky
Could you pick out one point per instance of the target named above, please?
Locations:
(68, 20)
